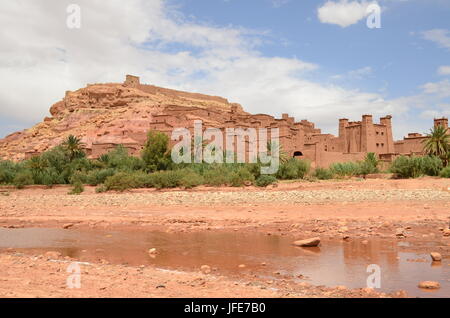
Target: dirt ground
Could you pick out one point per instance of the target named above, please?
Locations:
(329, 209)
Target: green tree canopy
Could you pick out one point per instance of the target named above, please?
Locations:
(156, 154)
(74, 147)
(438, 143)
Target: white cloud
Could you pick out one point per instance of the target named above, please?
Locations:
(431, 114)
(438, 36)
(357, 74)
(343, 13)
(40, 59)
(444, 70)
(428, 104)
(441, 89)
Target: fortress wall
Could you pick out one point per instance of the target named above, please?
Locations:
(355, 139)
(151, 89)
(410, 145)
(414, 142)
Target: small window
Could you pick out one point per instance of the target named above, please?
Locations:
(378, 145)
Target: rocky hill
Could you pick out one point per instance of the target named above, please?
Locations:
(116, 113)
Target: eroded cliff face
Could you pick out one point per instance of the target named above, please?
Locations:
(104, 114)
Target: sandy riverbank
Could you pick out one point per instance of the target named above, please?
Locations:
(333, 209)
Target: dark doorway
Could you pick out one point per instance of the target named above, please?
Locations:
(298, 154)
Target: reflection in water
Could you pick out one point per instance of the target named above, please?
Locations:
(383, 253)
(374, 252)
(333, 263)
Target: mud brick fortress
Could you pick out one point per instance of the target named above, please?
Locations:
(106, 115)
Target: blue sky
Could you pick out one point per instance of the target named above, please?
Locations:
(398, 56)
(316, 60)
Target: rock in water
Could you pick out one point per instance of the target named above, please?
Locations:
(205, 269)
(400, 233)
(429, 285)
(53, 255)
(312, 242)
(436, 257)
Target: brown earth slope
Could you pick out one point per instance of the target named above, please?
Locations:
(104, 113)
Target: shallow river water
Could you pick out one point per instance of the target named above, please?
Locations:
(333, 263)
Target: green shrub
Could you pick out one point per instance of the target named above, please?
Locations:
(323, 174)
(78, 165)
(96, 177)
(240, 177)
(445, 173)
(119, 159)
(156, 153)
(8, 170)
(371, 159)
(23, 178)
(414, 167)
(165, 179)
(101, 188)
(141, 179)
(54, 167)
(190, 179)
(49, 177)
(402, 167)
(254, 169)
(366, 168)
(6, 176)
(36, 165)
(265, 180)
(56, 158)
(345, 169)
(235, 174)
(77, 188)
(171, 179)
(293, 169)
(431, 165)
(369, 165)
(217, 176)
(121, 181)
(77, 183)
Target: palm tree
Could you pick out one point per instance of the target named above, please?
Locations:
(37, 164)
(274, 145)
(446, 158)
(74, 147)
(438, 143)
(371, 159)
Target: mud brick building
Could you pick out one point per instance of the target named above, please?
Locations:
(413, 143)
(107, 115)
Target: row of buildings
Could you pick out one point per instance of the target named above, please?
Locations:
(298, 139)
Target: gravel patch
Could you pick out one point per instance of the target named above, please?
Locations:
(225, 198)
